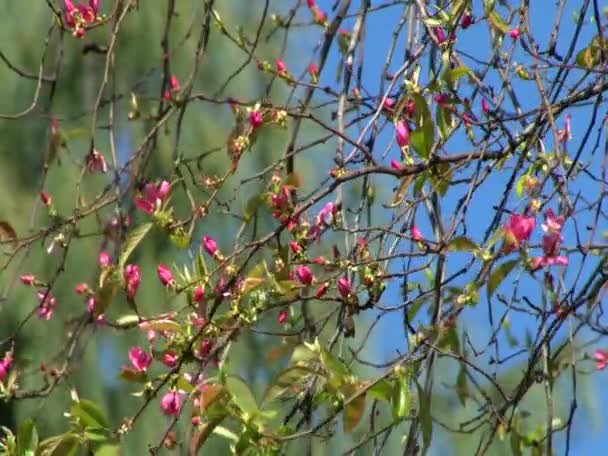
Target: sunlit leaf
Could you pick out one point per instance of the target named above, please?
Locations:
(108, 450)
(89, 414)
(241, 394)
(353, 410)
(209, 395)
(401, 397)
(499, 274)
(463, 244)
(285, 380)
(423, 136)
(27, 438)
(382, 390)
(132, 241)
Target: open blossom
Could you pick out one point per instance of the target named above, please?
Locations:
(77, 17)
(140, 358)
(164, 274)
(255, 118)
(518, 229)
(5, 365)
(601, 358)
(210, 245)
(96, 162)
(344, 287)
(416, 233)
(132, 275)
(47, 305)
(327, 213)
(551, 242)
(153, 196)
(403, 134)
(171, 402)
(304, 274)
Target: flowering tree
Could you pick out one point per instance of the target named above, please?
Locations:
(363, 226)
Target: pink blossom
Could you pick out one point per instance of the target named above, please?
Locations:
(304, 274)
(327, 213)
(440, 98)
(91, 304)
(344, 286)
(171, 402)
(104, 259)
(282, 318)
(255, 118)
(310, 3)
(280, 65)
(153, 196)
(403, 134)
(5, 365)
(96, 162)
(140, 358)
(601, 358)
(47, 304)
(164, 274)
(68, 5)
(389, 102)
(514, 33)
(295, 247)
(313, 70)
(170, 359)
(319, 260)
(174, 83)
(416, 233)
(132, 278)
(27, 279)
(205, 347)
(94, 5)
(86, 12)
(210, 245)
(553, 223)
(518, 229)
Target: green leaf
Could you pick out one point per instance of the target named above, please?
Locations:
(27, 438)
(132, 241)
(462, 243)
(423, 137)
(251, 207)
(335, 367)
(97, 435)
(162, 325)
(108, 450)
(127, 321)
(462, 388)
(382, 390)
(443, 118)
(302, 354)
(89, 414)
(131, 375)
(60, 445)
(209, 395)
(242, 395)
(498, 275)
(402, 398)
(424, 415)
(109, 284)
(498, 23)
(353, 410)
(285, 380)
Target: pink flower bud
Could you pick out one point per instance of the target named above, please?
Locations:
(601, 358)
(169, 359)
(151, 335)
(91, 304)
(514, 33)
(319, 260)
(403, 134)
(104, 259)
(69, 6)
(304, 274)
(344, 286)
(171, 402)
(389, 102)
(27, 279)
(439, 34)
(94, 5)
(132, 278)
(295, 247)
(282, 318)
(174, 83)
(396, 164)
(310, 3)
(140, 359)
(5, 365)
(313, 69)
(485, 107)
(210, 245)
(198, 294)
(280, 65)
(96, 162)
(164, 274)
(321, 290)
(467, 20)
(46, 198)
(81, 288)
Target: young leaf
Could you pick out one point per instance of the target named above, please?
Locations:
(27, 438)
(424, 415)
(462, 243)
(402, 398)
(284, 381)
(132, 241)
(353, 410)
(7, 232)
(499, 274)
(241, 394)
(89, 414)
(209, 395)
(423, 137)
